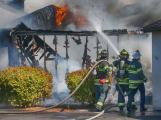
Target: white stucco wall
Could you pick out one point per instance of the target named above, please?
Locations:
(156, 68)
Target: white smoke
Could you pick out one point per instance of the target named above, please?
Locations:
(4, 58)
(7, 17)
(32, 5)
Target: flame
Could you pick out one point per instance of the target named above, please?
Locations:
(61, 13)
(79, 19)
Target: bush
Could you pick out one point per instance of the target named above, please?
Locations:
(24, 86)
(85, 94)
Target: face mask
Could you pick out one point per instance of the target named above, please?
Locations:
(122, 69)
(123, 58)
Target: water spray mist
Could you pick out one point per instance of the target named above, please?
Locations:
(97, 26)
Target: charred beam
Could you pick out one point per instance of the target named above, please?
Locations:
(72, 33)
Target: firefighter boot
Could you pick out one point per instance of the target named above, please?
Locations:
(99, 106)
(121, 110)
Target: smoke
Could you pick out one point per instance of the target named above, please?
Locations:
(113, 13)
(4, 58)
(60, 90)
(32, 5)
(120, 13)
(9, 13)
(7, 17)
(143, 12)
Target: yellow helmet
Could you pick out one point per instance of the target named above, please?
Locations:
(124, 53)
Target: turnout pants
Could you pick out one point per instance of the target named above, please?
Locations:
(122, 89)
(131, 99)
(98, 91)
(102, 95)
(141, 89)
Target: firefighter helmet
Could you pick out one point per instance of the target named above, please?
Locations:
(124, 54)
(104, 54)
(136, 55)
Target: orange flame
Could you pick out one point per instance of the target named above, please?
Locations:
(61, 13)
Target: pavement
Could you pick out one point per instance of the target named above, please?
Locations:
(79, 114)
(74, 116)
(58, 116)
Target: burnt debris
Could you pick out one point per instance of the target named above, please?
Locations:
(30, 45)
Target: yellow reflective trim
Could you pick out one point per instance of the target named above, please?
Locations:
(107, 81)
(122, 83)
(125, 80)
(121, 104)
(124, 52)
(133, 103)
(100, 103)
(106, 67)
(132, 86)
(136, 81)
(135, 71)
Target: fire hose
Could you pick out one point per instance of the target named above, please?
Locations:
(103, 111)
(66, 98)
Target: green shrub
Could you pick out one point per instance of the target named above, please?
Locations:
(85, 94)
(24, 86)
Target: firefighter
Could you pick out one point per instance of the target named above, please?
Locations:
(121, 76)
(141, 89)
(103, 80)
(136, 81)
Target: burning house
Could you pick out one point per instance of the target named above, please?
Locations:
(48, 18)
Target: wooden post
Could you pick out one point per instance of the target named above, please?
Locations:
(118, 42)
(55, 42)
(44, 53)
